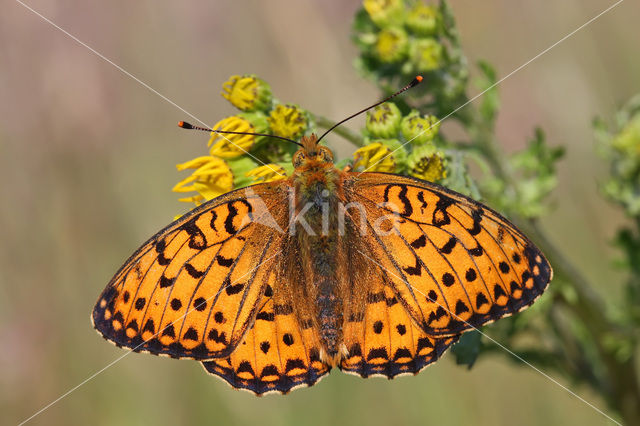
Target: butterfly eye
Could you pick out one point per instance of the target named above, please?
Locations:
(298, 158)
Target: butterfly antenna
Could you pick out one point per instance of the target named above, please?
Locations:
(190, 126)
(417, 80)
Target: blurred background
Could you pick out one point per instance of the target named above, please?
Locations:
(87, 161)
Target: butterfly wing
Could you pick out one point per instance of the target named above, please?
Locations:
(276, 355)
(193, 289)
(453, 263)
(384, 340)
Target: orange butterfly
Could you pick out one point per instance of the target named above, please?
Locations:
(272, 285)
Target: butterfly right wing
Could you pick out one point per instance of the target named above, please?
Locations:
(453, 263)
(380, 336)
(194, 288)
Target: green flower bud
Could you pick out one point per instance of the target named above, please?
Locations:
(426, 54)
(383, 121)
(427, 163)
(384, 13)
(391, 45)
(247, 93)
(419, 129)
(288, 121)
(423, 20)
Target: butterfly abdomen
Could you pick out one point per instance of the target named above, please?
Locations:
(318, 198)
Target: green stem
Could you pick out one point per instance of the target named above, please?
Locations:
(346, 133)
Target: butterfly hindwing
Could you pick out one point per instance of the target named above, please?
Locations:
(193, 289)
(277, 354)
(385, 340)
(453, 263)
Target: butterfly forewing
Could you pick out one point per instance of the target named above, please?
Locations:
(452, 262)
(193, 289)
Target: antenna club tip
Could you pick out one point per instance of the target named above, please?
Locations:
(417, 80)
(184, 125)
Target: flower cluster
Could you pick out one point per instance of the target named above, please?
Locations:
(401, 144)
(235, 161)
(399, 39)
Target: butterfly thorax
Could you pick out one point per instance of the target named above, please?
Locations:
(318, 196)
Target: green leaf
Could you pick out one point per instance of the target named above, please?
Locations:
(468, 348)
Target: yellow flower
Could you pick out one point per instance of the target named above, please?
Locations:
(288, 121)
(427, 163)
(267, 173)
(247, 92)
(374, 157)
(391, 45)
(230, 145)
(211, 178)
(384, 12)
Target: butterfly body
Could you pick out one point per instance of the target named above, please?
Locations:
(273, 285)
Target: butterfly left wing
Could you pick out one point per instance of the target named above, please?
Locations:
(277, 354)
(453, 263)
(193, 289)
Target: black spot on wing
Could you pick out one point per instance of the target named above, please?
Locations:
(414, 270)
(449, 246)
(193, 271)
(265, 316)
(477, 218)
(419, 242)
(197, 240)
(224, 261)
(481, 300)
(191, 334)
(440, 215)
(477, 251)
(166, 282)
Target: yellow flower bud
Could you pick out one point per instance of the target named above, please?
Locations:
(374, 157)
(247, 92)
(230, 145)
(384, 12)
(288, 121)
(391, 45)
(427, 163)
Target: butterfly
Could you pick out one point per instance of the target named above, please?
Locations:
(273, 285)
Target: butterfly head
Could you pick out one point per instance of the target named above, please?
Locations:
(312, 153)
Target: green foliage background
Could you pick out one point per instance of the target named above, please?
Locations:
(86, 160)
